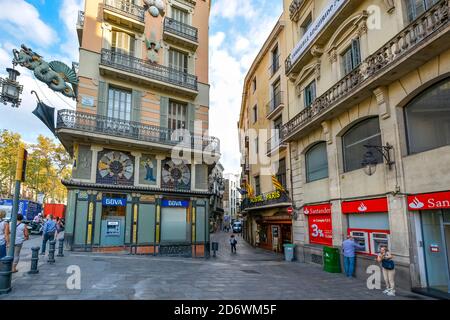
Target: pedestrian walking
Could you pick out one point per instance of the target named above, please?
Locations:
(21, 236)
(4, 234)
(233, 243)
(388, 266)
(59, 229)
(349, 247)
(48, 232)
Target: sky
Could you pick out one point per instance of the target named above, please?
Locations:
(238, 29)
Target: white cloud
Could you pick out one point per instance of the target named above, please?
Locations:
(230, 9)
(68, 14)
(21, 20)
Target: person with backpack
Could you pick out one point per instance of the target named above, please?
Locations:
(21, 236)
(388, 266)
(233, 243)
(4, 234)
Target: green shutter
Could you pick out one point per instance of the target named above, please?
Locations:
(163, 113)
(136, 106)
(191, 117)
(102, 98)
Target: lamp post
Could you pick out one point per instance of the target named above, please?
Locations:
(11, 89)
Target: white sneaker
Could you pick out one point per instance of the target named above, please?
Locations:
(391, 293)
(386, 291)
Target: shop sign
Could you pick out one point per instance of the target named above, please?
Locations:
(175, 203)
(114, 202)
(429, 201)
(364, 206)
(317, 209)
(320, 229)
(270, 196)
(327, 14)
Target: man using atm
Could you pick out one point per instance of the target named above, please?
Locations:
(349, 246)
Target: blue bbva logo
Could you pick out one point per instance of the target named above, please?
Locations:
(175, 203)
(118, 202)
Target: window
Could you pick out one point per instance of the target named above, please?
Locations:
(281, 174)
(255, 113)
(310, 94)
(254, 84)
(306, 24)
(119, 104)
(277, 123)
(415, 8)
(317, 162)
(177, 116)
(180, 15)
(351, 57)
(366, 132)
(275, 60)
(428, 119)
(122, 43)
(257, 185)
(257, 145)
(178, 60)
(276, 93)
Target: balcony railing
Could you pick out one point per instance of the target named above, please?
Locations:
(80, 20)
(273, 104)
(180, 29)
(265, 199)
(86, 122)
(147, 69)
(273, 144)
(126, 8)
(275, 66)
(413, 36)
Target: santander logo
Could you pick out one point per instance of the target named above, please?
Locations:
(416, 204)
(306, 211)
(362, 207)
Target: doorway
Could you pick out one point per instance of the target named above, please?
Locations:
(113, 220)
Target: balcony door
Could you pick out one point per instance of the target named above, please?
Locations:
(180, 15)
(122, 46)
(177, 118)
(118, 110)
(276, 94)
(178, 62)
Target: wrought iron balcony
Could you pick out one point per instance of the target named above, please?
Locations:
(275, 66)
(271, 199)
(147, 69)
(180, 29)
(126, 8)
(274, 144)
(390, 55)
(93, 123)
(274, 104)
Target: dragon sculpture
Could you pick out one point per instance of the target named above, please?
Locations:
(57, 75)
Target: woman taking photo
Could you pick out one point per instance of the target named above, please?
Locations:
(387, 265)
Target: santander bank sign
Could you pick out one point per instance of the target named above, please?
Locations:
(429, 201)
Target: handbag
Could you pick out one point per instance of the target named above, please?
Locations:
(388, 264)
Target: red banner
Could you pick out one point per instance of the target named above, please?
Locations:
(320, 229)
(363, 206)
(429, 201)
(317, 209)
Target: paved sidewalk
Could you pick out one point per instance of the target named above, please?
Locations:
(249, 274)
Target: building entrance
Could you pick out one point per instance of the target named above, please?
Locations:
(113, 220)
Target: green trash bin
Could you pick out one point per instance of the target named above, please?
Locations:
(331, 260)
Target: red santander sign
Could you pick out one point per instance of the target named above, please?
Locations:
(363, 206)
(320, 226)
(317, 209)
(429, 201)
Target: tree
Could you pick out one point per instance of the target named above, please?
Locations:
(9, 143)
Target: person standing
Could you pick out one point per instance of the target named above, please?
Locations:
(233, 243)
(349, 247)
(59, 228)
(48, 232)
(4, 234)
(388, 266)
(21, 236)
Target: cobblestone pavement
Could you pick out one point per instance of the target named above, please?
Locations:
(248, 274)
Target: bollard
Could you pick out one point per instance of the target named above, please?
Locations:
(215, 247)
(51, 252)
(34, 260)
(60, 248)
(5, 274)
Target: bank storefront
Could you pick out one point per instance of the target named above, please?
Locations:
(434, 212)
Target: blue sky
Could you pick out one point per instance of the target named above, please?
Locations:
(238, 29)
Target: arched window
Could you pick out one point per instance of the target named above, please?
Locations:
(428, 119)
(366, 132)
(317, 162)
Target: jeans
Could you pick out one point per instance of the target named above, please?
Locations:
(2, 250)
(349, 266)
(47, 237)
(233, 248)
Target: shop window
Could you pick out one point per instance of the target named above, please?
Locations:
(428, 119)
(415, 8)
(317, 162)
(366, 132)
(310, 94)
(351, 57)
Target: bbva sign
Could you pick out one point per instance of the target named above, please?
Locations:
(115, 202)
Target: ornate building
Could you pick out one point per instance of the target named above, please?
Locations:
(138, 135)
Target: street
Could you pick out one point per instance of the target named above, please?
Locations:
(248, 274)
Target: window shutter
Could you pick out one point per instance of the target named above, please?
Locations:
(191, 117)
(102, 98)
(356, 53)
(313, 91)
(163, 117)
(136, 106)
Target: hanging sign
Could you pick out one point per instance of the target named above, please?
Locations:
(429, 201)
(364, 206)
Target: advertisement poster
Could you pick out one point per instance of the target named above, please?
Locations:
(320, 226)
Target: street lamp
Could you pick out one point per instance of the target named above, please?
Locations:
(370, 162)
(11, 89)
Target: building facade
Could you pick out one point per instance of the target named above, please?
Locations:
(231, 195)
(267, 223)
(368, 127)
(141, 155)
